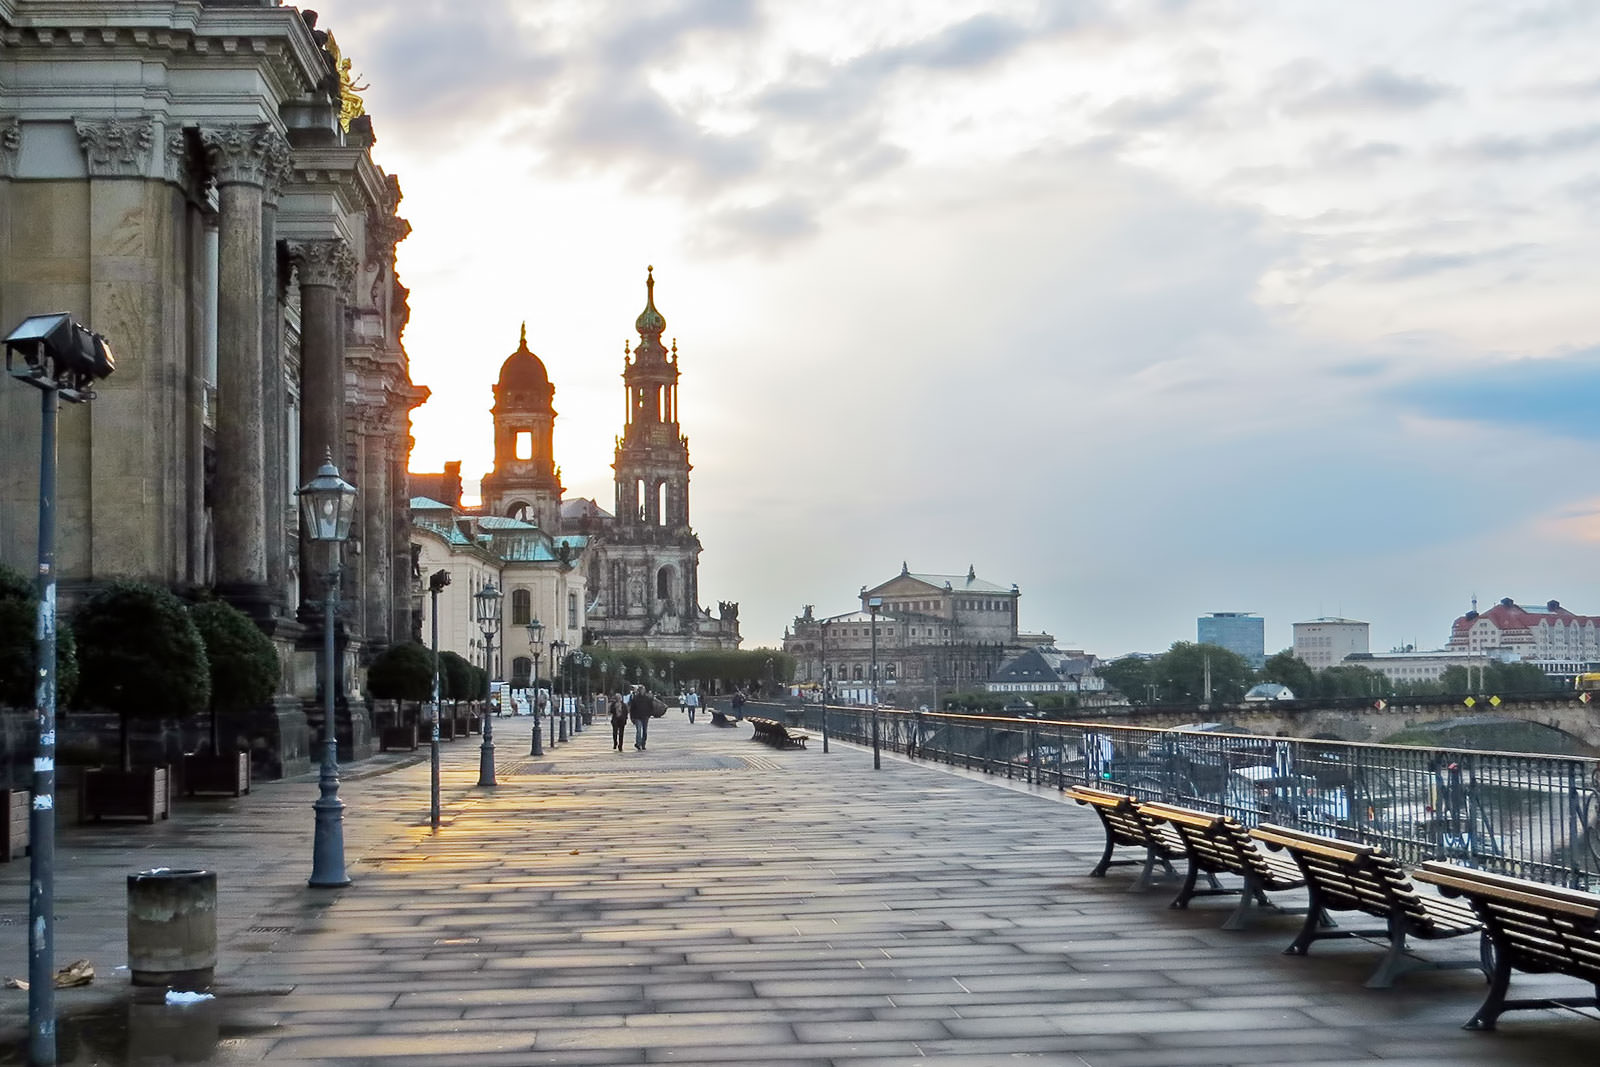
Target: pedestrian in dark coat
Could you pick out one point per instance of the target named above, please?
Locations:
(619, 719)
(640, 710)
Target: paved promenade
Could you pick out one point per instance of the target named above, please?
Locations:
(712, 900)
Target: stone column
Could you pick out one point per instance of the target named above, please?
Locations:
(326, 269)
(376, 511)
(241, 160)
(274, 391)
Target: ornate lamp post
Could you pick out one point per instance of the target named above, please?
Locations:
(486, 603)
(585, 661)
(327, 504)
(873, 604)
(536, 646)
(556, 649)
(436, 583)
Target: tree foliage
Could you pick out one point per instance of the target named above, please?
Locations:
(1180, 674)
(243, 661)
(19, 614)
(140, 654)
(401, 672)
(1129, 676)
(1286, 668)
(455, 677)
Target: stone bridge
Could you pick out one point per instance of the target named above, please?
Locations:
(1547, 721)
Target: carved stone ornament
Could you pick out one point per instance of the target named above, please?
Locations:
(327, 263)
(280, 166)
(117, 148)
(245, 155)
(10, 145)
(383, 233)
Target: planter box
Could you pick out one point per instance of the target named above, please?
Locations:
(463, 724)
(143, 793)
(15, 805)
(228, 773)
(398, 737)
(447, 728)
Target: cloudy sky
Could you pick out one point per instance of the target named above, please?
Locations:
(1153, 308)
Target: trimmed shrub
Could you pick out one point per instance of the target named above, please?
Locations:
(401, 672)
(19, 616)
(140, 656)
(455, 677)
(243, 661)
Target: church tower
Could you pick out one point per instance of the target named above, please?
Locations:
(525, 482)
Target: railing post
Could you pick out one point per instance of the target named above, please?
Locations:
(877, 759)
(988, 750)
(824, 726)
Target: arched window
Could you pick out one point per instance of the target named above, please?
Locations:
(572, 611)
(856, 672)
(521, 607)
(664, 583)
(521, 672)
(661, 503)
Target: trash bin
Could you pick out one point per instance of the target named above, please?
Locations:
(172, 928)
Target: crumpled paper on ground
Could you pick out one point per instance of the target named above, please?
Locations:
(76, 973)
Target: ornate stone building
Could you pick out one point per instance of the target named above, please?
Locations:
(641, 566)
(194, 180)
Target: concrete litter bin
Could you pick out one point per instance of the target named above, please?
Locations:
(172, 928)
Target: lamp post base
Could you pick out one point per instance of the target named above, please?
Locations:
(563, 718)
(538, 743)
(327, 849)
(486, 764)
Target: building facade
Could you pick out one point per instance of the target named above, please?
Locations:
(195, 181)
(932, 631)
(640, 584)
(1559, 641)
(1324, 643)
(1240, 632)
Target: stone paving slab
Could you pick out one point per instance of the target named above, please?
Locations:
(710, 900)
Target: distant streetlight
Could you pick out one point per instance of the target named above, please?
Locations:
(436, 583)
(327, 504)
(874, 604)
(535, 646)
(487, 601)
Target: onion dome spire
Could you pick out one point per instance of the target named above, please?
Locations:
(650, 322)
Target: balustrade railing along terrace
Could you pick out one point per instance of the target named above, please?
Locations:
(1533, 816)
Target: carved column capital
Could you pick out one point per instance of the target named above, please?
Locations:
(245, 155)
(117, 148)
(10, 144)
(279, 168)
(328, 263)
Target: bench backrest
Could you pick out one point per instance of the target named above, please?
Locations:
(1220, 842)
(1350, 876)
(1125, 822)
(1540, 927)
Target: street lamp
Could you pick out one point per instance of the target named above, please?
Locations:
(436, 583)
(327, 504)
(535, 646)
(873, 604)
(556, 648)
(487, 602)
(61, 359)
(585, 661)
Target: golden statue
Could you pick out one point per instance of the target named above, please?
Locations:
(350, 102)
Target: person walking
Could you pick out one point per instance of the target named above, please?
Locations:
(640, 709)
(738, 704)
(619, 719)
(691, 702)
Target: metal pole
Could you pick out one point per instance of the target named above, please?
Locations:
(433, 743)
(538, 748)
(824, 720)
(877, 759)
(486, 750)
(327, 849)
(42, 816)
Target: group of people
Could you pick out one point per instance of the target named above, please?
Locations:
(639, 706)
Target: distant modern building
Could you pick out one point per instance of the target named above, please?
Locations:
(1324, 643)
(1424, 666)
(1240, 632)
(1560, 642)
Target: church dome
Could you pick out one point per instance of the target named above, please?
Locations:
(523, 372)
(650, 321)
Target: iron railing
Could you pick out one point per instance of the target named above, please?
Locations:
(1533, 816)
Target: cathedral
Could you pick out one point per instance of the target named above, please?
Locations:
(635, 570)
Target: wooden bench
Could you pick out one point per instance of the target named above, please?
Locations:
(1344, 876)
(1536, 928)
(776, 733)
(1126, 825)
(1217, 844)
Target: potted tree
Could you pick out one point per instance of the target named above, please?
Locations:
(244, 673)
(19, 612)
(141, 657)
(455, 684)
(400, 673)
